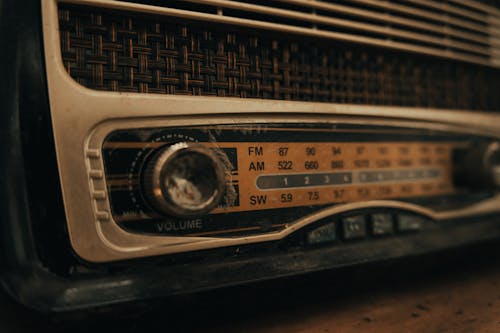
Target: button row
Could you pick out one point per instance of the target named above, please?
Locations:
(362, 225)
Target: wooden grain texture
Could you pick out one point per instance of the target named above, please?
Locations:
(464, 305)
(460, 295)
(454, 292)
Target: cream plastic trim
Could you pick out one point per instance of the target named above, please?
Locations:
(434, 46)
(447, 8)
(336, 22)
(426, 14)
(390, 19)
(82, 118)
(433, 5)
(478, 6)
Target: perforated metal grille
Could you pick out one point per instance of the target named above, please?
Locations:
(122, 51)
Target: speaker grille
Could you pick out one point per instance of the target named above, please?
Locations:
(116, 50)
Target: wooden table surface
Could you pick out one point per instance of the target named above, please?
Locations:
(456, 291)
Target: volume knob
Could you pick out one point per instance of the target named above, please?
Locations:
(184, 180)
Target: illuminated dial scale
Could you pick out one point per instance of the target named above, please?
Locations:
(266, 177)
(280, 174)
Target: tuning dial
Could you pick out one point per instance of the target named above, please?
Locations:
(491, 164)
(478, 167)
(184, 180)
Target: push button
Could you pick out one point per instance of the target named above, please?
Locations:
(323, 234)
(354, 226)
(382, 224)
(409, 222)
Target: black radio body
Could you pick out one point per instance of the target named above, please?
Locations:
(157, 150)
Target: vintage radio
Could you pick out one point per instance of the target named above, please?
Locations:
(155, 148)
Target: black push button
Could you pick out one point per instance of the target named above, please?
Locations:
(354, 226)
(323, 234)
(410, 222)
(382, 224)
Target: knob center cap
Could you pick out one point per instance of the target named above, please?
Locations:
(184, 179)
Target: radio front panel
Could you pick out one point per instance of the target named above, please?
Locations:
(276, 174)
(190, 142)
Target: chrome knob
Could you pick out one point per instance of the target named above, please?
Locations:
(184, 180)
(491, 162)
(478, 167)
